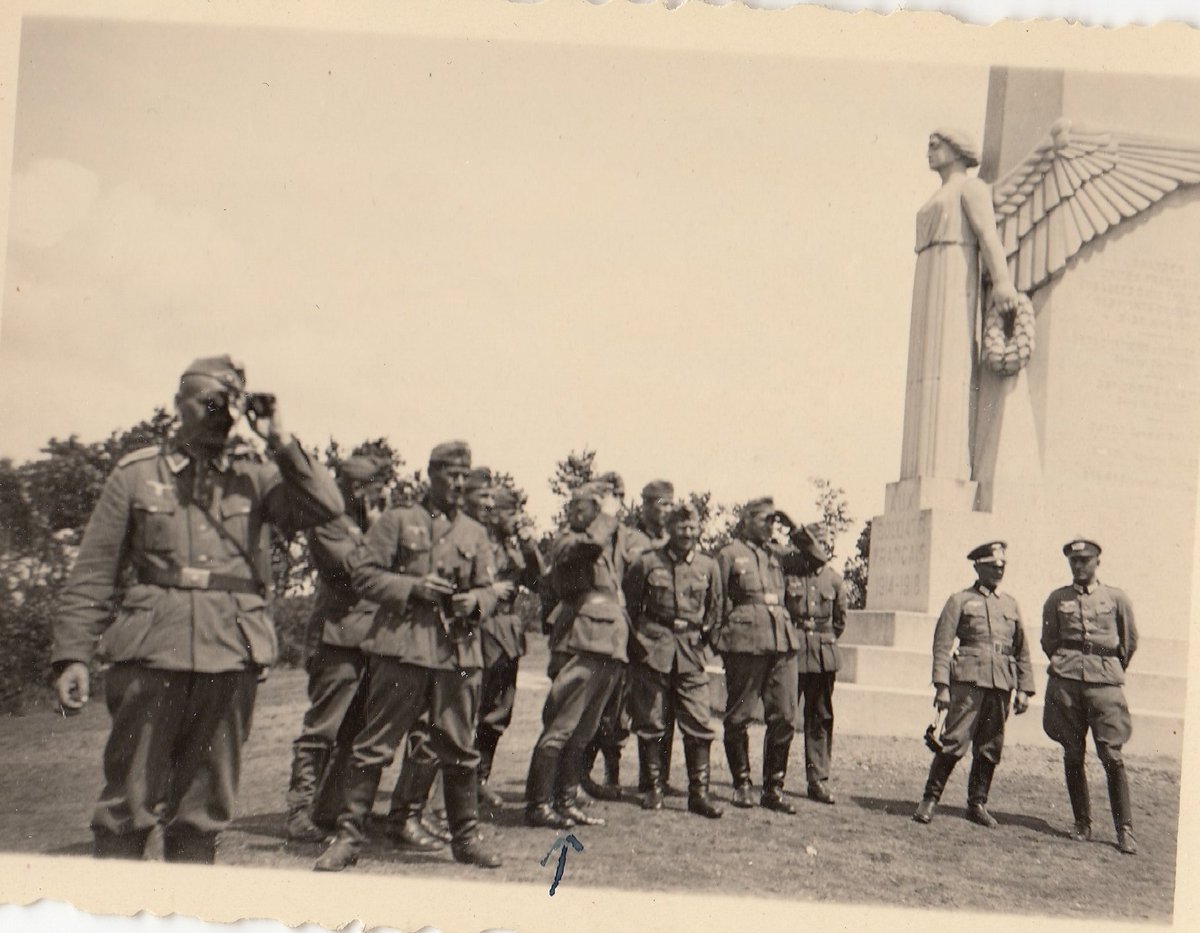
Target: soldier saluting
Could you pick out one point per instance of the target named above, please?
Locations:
(192, 634)
(974, 682)
(1089, 635)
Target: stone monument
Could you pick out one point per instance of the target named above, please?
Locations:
(1097, 207)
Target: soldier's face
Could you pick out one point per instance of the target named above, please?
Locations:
(205, 411)
(505, 520)
(684, 535)
(989, 574)
(655, 510)
(448, 484)
(581, 513)
(1083, 568)
(478, 503)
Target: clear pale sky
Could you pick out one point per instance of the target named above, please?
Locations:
(697, 263)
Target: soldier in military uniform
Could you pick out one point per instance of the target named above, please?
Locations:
(758, 643)
(816, 601)
(1089, 635)
(192, 635)
(589, 634)
(673, 594)
(430, 570)
(519, 563)
(334, 663)
(975, 682)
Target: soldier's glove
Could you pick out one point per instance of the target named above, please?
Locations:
(933, 733)
(941, 699)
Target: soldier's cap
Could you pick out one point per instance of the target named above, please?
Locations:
(683, 512)
(658, 489)
(221, 368)
(990, 553)
(614, 481)
(506, 498)
(362, 467)
(594, 491)
(810, 539)
(1081, 547)
(761, 504)
(451, 453)
(480, 478)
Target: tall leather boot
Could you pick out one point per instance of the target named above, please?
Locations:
(979, 784)
(342, 852)
(650, 755)
(939, 773)
(539, 791)
(1081, 803)
(696, 754)
(737, 752)
(668, 742)
(462, 811)
(188, 846)
(404, 825)
(570, 774)
(598, 791)
(106, 844)
(487, 739)
(775, 762)
(308, 766)
(1122, 806)
(331, 790)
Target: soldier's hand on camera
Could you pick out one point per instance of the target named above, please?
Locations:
(432, 588)
(464, 604)
(525, 529)
(1020, 702)
(73, 685)
(269, 428)
(503, 589)
(941, 699)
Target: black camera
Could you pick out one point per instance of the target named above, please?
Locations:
(260, 404)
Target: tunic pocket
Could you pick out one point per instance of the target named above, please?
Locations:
(154, 525)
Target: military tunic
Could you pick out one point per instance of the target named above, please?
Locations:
(992, 659)
(673, 603)
(192, 631)
(758, 643)
(816, 601)
(1089, 635)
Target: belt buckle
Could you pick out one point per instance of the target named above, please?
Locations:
(1086, 646)
(194, 578)
(770, 599)
(680, 625)
(809, 626)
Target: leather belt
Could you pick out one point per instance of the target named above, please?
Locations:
(766, 599)
(1087, 647)
(994, 646)
(813, 623)
(678, 625)
(196, 578)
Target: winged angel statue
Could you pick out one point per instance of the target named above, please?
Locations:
(1076, 186)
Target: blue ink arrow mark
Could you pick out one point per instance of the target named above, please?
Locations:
(563, 842)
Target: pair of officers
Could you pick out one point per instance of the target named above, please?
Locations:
(1089, 636)
(773, 613)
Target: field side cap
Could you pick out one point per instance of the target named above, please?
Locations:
(761, 504)
(362, 467)
(1081, 547)
(506, 498)
(683, 512)
(221, 368)
(658, 489)
(480, 478)
(451, 453)
(594, 491)
(614, 482)
(991, 553)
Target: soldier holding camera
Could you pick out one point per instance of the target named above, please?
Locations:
(430, 569)
(192, 635)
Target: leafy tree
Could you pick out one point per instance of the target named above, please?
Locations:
(835, 512)
(855, 571)
(569, 475)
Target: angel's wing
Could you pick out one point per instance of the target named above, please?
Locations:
(1076, 186)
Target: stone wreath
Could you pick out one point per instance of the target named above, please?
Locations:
(1008, 347)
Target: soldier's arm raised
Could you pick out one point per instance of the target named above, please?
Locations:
(298, 492)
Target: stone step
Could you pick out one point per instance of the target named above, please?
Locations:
(898, 668)
(914, 631)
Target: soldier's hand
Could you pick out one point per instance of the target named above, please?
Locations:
(525, 529)
(432, 588)
(270, 428)
(941, 699)
(73, 685)
(1020, 702)
(464, 604)
(263, 674)
(503, 589)
(784, 519)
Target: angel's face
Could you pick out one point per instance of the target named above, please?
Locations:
(940, 153)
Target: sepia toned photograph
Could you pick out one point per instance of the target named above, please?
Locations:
(486, 462)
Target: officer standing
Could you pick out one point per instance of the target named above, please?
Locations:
(816, 601)
(589, 635)
(757, 642)
(429, 568)
(192, 634)
(334, 663)
(673, 594)
(1089, 635)
(519, 563)
(975, 682)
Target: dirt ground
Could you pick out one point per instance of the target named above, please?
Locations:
(865, 850)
